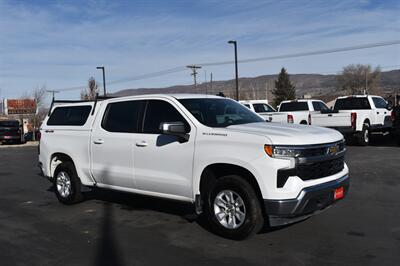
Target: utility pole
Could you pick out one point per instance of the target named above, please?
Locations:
(205, 80)
(104, 79)
(236, 69)
(211, 80)
(53, 92)
(194, 72)
(366, 81)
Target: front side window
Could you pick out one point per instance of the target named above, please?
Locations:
(215, 112)
(123, 117)
(262, 108)
(379, 102)
(69, 116)
(157, 112)
(320, 106)
(293, 107)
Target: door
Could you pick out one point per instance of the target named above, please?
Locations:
(380, 112)
(112, 143)
(163, 163)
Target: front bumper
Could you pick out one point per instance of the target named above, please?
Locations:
(309, 201)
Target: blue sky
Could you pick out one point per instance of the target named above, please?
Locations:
(59, 43)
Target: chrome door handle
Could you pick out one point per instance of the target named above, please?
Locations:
(98, 141)
(141, 144)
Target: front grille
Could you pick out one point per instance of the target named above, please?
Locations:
(320, 169)
(311, 171)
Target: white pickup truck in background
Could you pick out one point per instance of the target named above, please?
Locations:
(261, 107)
(297, 111)
(357, 116)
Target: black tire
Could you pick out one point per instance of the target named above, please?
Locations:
(75, 193)
(253, 221)
(363, 137)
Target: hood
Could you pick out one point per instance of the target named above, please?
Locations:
(289, 134)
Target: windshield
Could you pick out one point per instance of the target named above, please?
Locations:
(9, 124)
(214, 112)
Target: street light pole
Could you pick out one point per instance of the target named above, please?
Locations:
(236, 69)
(104, 79)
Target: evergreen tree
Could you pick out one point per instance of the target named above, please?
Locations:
(284, 90)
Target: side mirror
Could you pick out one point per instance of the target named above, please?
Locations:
(389, 106)
(175, 129)
(331, 108)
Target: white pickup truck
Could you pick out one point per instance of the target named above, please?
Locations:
(357, 116)
(297, 111)
(261, 107)
(213, 152)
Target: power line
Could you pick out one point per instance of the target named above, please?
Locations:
(250, 60)
(318, 52)
(194, 72)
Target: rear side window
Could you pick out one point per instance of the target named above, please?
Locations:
(320, 106)
(69, 116)
(379, 102)
(293, 106)
(262, 108)
(123, 117)
(157, 112)
(353, 103)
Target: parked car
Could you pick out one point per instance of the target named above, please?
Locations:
(261, 107)
(210, 151)
(11, 131)
(357, 116)
(297, 111)
(29, 135)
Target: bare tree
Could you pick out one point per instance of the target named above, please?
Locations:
(90, 92)
(356, 79)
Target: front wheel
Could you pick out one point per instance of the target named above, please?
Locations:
(233, 209)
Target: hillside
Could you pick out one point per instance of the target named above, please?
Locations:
(319, 86)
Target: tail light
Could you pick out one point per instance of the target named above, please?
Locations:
(393, 115)
(309, 119)
(353, 120)
(290, 119)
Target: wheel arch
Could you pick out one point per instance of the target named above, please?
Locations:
(214, 171)
(58, 158)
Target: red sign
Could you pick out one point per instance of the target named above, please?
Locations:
(19, 106)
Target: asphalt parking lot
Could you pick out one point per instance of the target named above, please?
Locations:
(112, 228)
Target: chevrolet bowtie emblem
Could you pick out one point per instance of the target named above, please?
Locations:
(332, 150)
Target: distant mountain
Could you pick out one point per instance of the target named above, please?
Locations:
(324, 87)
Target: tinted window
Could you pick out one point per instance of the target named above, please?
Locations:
(293, 106)
(157, 112)
(379, 102)
(247, 105)
(262, 108)
(123, 117)
(9, 123)
(69, 116)
(220, 112)
(320, 106)
(352, 103)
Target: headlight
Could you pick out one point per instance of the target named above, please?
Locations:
(276, 151)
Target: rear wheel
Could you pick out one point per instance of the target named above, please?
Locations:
(233, 209)
(363, 137)
(67, 185)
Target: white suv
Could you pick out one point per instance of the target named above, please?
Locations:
(233, 166)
